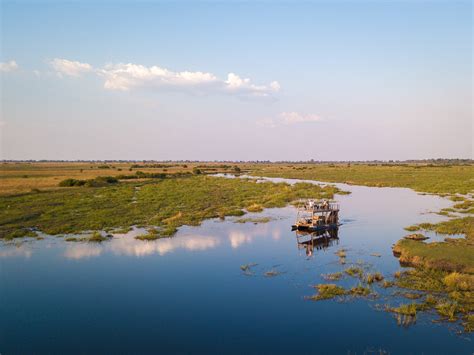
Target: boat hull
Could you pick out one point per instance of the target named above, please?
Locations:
(315, 228)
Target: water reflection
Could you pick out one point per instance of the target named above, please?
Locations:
(319, 240)
(133, 247)
(15, 250)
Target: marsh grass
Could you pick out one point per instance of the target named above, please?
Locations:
(272, 273)
(96, 237)
(405, 309)
(246, 268)
(167, 203)
(416, 236)
(447, 310)
(254, 220)
(152, 234)
(375, 277)
(255, 207)
(327, 291)
(354, 271)
(360, 290)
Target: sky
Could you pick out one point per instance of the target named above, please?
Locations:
(163, 80)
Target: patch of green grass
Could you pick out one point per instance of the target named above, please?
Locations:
(387, 284)
(151, 235)
(255, 207)
(253, 220)
(376, 277)
(96, 237)
(416, 236)
(359, 290)
(354, 271)
(447, 310)
(405, 309)
(449, 179)
(327, 291)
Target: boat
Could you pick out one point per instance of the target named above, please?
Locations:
(314, 216)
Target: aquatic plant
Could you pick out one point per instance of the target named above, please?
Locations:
(253, 220)
(405, 309)
(272, 273)
(359, 290)
(458, 281)
(415, 236)
(151, 235)
(327, 291)
(96, 237)
(354, 271)
(447, 310)
(387, 284)
(376, 277)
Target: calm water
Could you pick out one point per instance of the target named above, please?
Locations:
(187, 294)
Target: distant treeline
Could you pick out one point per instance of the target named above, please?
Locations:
(170, 163)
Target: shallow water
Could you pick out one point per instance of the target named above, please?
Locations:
(188, 293)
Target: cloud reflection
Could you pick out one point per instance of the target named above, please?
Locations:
(132, 247)
(16, 250)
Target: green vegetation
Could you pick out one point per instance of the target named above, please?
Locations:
(375, 277)
(360, 290)
(416, 236)
(450, 255)
(354, 271)
(255, 207)
(272, 273)
(254, 220)
(424, 178)
(96, 237)
(327, 291)
(450, 294)
(167, 203)
(151, 235)
(246, 267)
(405, 309)
(96, 182)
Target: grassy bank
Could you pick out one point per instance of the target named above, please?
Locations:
(446, 179)
(450, 255)
(167, 203)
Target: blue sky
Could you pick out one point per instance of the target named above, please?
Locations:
(333, 80)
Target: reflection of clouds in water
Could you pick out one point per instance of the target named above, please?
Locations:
(134, 247)
(13, 251)
(129, 246)
(237, 237)
(81, 251)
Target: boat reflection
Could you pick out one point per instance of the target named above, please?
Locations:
(319, 240)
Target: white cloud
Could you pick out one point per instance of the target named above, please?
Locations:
(71, 68)
(295, 117)
(287, 118)
(131, 76)
(8, 66)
